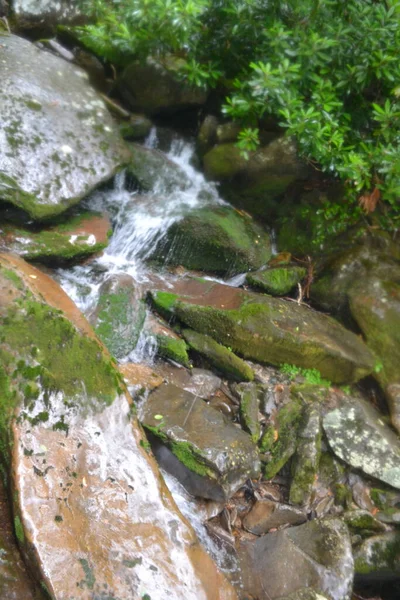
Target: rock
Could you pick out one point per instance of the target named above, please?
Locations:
(228, 132)
(137, 128)
(138, 375)
(258, 183)
(362, 522)
(304, 594)
(153, 171)
(57, 140)
(249, 395)
(266, 515)
(202, 439)
(173, 348)
(31, 13)
(316, 555)
(207, 134)
(277, 281)
(154, 87)
(269, 330)
(119, 315)
(223, 359)
(73, 239)
(305, 468)
(375, 306)
(216, 240)
(15, 583)
(79, 460)
(379, 556)
(357, 435)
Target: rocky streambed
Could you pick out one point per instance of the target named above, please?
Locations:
(148, 324)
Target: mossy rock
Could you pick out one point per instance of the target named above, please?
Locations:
(71, 240)
(215, 240)
(153, 171)
(137, 128)
(270, 330)
(277, 281)
(249, 409)
(362, 522)
(173, 349)
(119, 315)
(222, 358)
(306, 463)
(379, 556)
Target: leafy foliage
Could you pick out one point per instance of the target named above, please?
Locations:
(312, 376)
(328, 70)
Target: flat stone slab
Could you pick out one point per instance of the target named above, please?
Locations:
(202, 439)
(357, 435)
(57, 139)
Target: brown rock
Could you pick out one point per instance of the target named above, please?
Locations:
(266, 515)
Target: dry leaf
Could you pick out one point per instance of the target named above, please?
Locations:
(368, 202)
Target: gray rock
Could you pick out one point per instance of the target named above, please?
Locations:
(266, 515)
(155, 172)
(154, 87)
(305, 594)
(316, 555)
(357, 435)
(305, 468)
(379, 556)
(57, 139)
(28, 13)
(202, 439)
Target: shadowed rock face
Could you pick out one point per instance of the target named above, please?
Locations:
(57, 140)
(91, 514)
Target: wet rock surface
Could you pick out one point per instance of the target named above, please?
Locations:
(270, 330)
(277, 281)
(357, 434)
(57, 140)
(266, 515)
(202, 439)
(75, 239)
(77, 462)
(153, 171)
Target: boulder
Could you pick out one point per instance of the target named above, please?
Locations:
(357, 435)
(137, 128)
(249, 395)
(48, 13)
(256, 184)
(379, 556)
(270, 330)
(277, 281)
(316, 555)
(57, 140)
(219, 456)
(153, 171)
(172, 348)
(223, 359)
(74, 239)
(155, 88)
(216, 240)
(266, 515)
(119, 315)
(207, 134)
(88, 500)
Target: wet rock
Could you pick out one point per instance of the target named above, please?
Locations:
(316, 555)
(138, 375)
(29, 13)
(200, 382)
(137, 128)
(119, 315)
(269, 330)
(216, 240)
(173, 349)
(266, 515)
(259, 182)
(379, 556)
(375, 305)
(79, 461)
(15, 583)
(362, 522)
(202, 439)
(228, 132)
(305, 467)
(357, 435)
(72, 240)
(153, 171)
(223, 359)
(277, 281)
(249, 395)
(305, 594)
(57, 140)
(155, 88)
(207, 134)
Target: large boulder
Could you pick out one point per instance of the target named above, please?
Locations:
(218, 456)
(357, 435)
(74, 239)
(154, 87)
(88, 500)
(270, 330)
(47, 13)
(216, 240)
(316, 555)
(57, 139)
(256, 184)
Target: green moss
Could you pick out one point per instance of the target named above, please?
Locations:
(285, 438)
(13, 277)
(90, 579)
(164, 303)
(249, 413)
(19, 530)
(379, 554)
(277, 281)
(342, 494)
(173, 349)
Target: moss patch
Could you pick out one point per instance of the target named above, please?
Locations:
(173, 349)
(283, 436)
(277, 281)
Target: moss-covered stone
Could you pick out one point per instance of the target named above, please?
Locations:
(277, 281)
(216, 240)
(153, 171)
(379, 555)
(362, 522)
(173, 348)
(249, 407)
(119, 315)
(305, 467)
(137, 128)
(222, 358)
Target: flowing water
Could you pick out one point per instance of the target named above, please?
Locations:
(139, 222)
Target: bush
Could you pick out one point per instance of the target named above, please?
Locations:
(328, 70)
